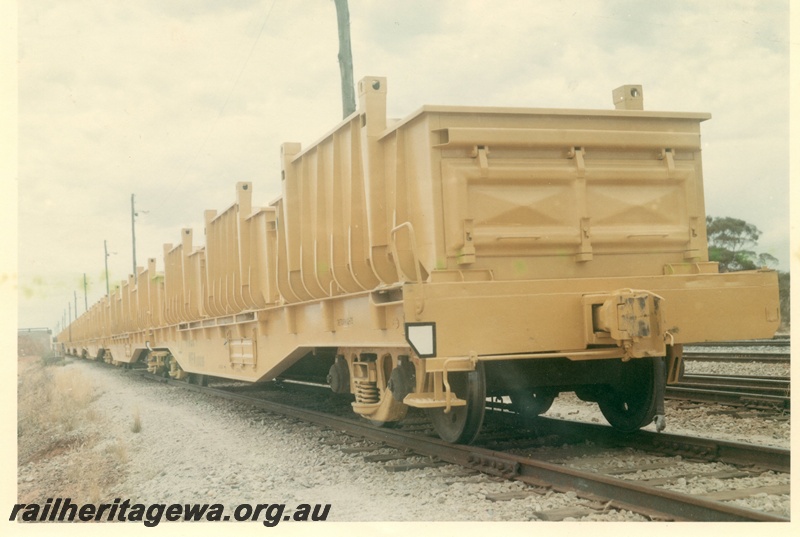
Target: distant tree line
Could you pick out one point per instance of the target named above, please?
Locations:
(732, 243)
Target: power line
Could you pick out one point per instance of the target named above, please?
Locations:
(193, 158)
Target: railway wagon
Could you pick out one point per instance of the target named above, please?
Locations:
(455, 255)
(34, 342)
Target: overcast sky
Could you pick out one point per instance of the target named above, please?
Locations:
(177, 100)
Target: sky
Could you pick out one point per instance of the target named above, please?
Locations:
(177, 100)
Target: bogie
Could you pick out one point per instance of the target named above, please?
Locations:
(370, 373)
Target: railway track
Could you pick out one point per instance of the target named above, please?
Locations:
(503, 453)
(741, 356)
(774, 342)
(760, 392)
(777, 350)
(753, 391)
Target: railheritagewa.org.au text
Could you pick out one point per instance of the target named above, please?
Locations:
(64, 510)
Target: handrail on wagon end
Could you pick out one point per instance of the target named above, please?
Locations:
(396, 257)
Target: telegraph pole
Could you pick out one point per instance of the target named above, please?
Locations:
(76, 304)
(345, 58)
(133, 234)
(85, 295)
(105, 248)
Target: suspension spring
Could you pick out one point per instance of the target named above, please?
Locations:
(367, 392)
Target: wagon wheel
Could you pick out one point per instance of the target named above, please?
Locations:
(532, 404)
(631, 403)
(462, 424)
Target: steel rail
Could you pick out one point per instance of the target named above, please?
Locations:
(778, 386)
(623, 494)
(757, 357)
(728, 397)
(772, 392)
(765, 457)
(741, 380)
(775, 342)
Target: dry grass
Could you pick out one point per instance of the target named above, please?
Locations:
(60, 434)
(118, 451)
(90, 475)
(52, 402)
(137, 421)
(52, 399)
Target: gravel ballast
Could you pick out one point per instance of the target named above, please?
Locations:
(194, 448)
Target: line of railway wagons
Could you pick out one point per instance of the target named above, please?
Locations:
(454, 255)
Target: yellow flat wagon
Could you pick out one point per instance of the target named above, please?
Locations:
(457, 254)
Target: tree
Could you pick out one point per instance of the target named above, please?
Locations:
(729, 240)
